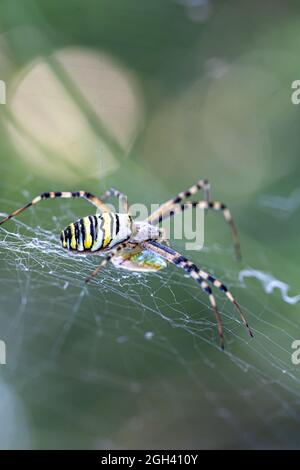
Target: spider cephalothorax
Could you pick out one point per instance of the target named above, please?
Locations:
(119, 236)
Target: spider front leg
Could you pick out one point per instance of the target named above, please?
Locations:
(123, 200)
(208, 205)
(59, 194)
(163, 236)
(165, 208)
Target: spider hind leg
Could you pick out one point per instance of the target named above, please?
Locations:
(201, 277)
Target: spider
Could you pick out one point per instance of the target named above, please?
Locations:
(128, 243)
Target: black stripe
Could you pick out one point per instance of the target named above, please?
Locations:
(23, 208)
(183, 207)
(223, 207)
(211, 278)
(82, 230)
(177, 199)
(76, 234)
(223, 288)
(57, 194)
(76, 194)
(96, 227)
(45, 195)
(188, 268)
(68, 235)
(117, 223)
(206, 289)
(191, 267)
(163, 247)
(92, 229)
(101, 230)
(179, 259)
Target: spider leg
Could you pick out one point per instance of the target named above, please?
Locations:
(123, 200)
(59, 194)
(199, 275)
(208, 205)
(165, 208)
(175, 258)
(110, 255)
(219, 285)
(163, 236)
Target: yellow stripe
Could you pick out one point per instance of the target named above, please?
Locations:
(88, 241)
(106, 229)
(73, 238)
(64, 243)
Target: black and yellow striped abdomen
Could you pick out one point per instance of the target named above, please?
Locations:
(97, 232)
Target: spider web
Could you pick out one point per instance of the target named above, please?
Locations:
(132, 360)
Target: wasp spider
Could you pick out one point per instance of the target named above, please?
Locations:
(129, 243)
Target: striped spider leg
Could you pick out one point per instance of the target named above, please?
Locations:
(60, 194)
(165, 208)
(175, 205)
(200, 276)
(206, 205)
(123, 200)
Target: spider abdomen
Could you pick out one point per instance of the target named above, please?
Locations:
(97, 232)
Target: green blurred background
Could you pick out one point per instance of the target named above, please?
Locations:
(149, 97)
